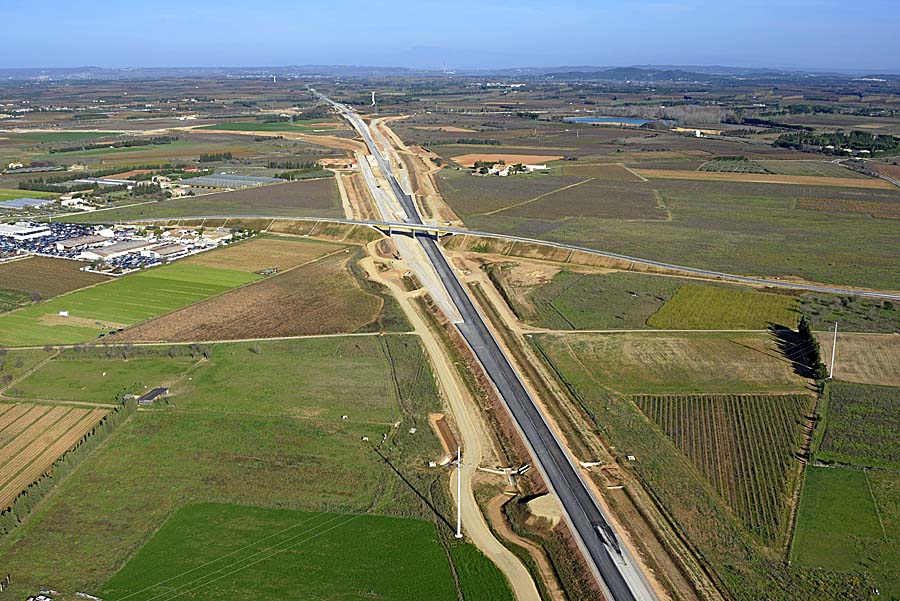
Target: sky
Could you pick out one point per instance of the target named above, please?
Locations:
(807, 34)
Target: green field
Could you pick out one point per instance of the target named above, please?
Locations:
(64, 136)
(849, 521)
(698, 307)
(234, 552)
(747, 570)
(12, 299)
(744, 445)
(590, 301)
(178, 145)
(861, 425)
(83, 376)
(13, 363)
(268, 440)
(676, 363)
(125, 301)
(12, 194)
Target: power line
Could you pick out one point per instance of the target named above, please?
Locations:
(248, 545)
(243, 567)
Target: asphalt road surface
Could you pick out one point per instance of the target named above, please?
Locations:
(618, 573)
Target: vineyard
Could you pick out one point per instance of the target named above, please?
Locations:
(32, 437)
(744, 445)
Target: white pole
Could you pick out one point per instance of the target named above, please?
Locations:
(833, 348)
(458, 492)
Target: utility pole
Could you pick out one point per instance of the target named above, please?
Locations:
(458, 492)
(833, 348)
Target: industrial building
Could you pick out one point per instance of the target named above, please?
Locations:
(166, 251)
(104, 253)
(24, 231)
(226, 180)
(80, 242)
(17, 204)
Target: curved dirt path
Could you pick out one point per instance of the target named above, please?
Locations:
(475, 442)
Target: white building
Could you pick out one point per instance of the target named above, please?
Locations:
(23, 230)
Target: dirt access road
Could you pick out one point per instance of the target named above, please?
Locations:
(475, 441)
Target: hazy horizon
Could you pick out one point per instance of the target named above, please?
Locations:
(757, 34)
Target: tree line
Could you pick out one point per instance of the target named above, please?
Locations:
(15, 514)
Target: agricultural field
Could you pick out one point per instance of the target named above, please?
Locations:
(863, 358)
(45, 276)
(64, 136)
(745, 445)
(700, 513)
(128, 300)
(704, 307)
(601, 171)
(677, 363)
(303, 198)
(854, 313)
(102, 376)
(14, 363)
(469, 160)
(849, 521)
(860, 426)
(321, 297)
(812, 168)
(267, 252)
(32, 437)
(304, 126)
(746, 228)
(206, 446)
(247, 552)
(6, 194)
(593, 198)
(848, 181)
(471, 195)
(579, 301)
(733, 165)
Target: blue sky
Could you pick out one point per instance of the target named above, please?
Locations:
(819, 34)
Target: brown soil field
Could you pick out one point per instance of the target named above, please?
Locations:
(321, 140)
(880, 210)
(287, 198)
(319, 298)
(264, 253)
(448, 128)
(32, 443)
(128, 174)
(601, 171)
(682, 165)
(468, 160)
(595, 198)
(49, 277)
(472, 195)
(885, 169)
(805, 180)
(864, 358)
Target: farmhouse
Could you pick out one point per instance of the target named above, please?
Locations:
(151, 397)
(104, 253)
(24, 231)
